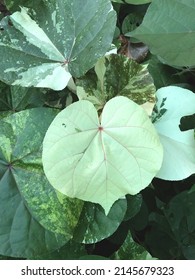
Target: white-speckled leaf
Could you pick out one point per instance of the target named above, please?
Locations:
(101, 161)
(117, 75)
(179, 146)
(45, 49)
(94, 226)
(32, 220)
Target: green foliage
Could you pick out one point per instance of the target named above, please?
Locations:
(174, 224)
(130, 250)
(116, 75)
(167, 31)
(16, 4)
(94, 225)
(97, 153)
(54, 44)
(162, 74)
(180, 215)
(21, 174)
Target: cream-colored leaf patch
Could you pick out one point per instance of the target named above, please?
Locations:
(35, 35)
(51, 75)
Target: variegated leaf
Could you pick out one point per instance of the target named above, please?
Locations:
(117, 75)
(45, 49)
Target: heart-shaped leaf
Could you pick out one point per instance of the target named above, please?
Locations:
(45, 49)
(168, 30)
(101, 161)
(117, 75)
(179, 146)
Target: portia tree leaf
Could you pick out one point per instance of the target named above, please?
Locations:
(130, 250)
(94, 225)
(16, 4)
(117, 75)
(168, 30)
(30, 210)
(101, 161)
(43, 49)
(179, 146)
(34, 204)
(21, 236)
(15, 98)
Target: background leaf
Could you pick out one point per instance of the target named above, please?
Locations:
(168, 29)
(26, 196)
(21, 235)
(94, 225)
(133, 206)
(92, 257)
(173, 223)
(70, 251)
(187, 122)
(14, 98)
(130, 250)
(179, 147)
(163, 75)
(16, 4)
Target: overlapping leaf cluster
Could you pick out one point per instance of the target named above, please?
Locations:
(81, 173)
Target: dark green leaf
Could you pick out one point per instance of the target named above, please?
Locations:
(163, 75)
(178, 216)
(160, 240)
(70, 251)
(140, 220)
(187, 122)
(16, 4)
(133, 205)
(21, 236)
(15, 98)
(27, 199)
(174, 227)
(168, 29)
(94, 225)
(130, 250)
(130, 22)
(92, 257)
